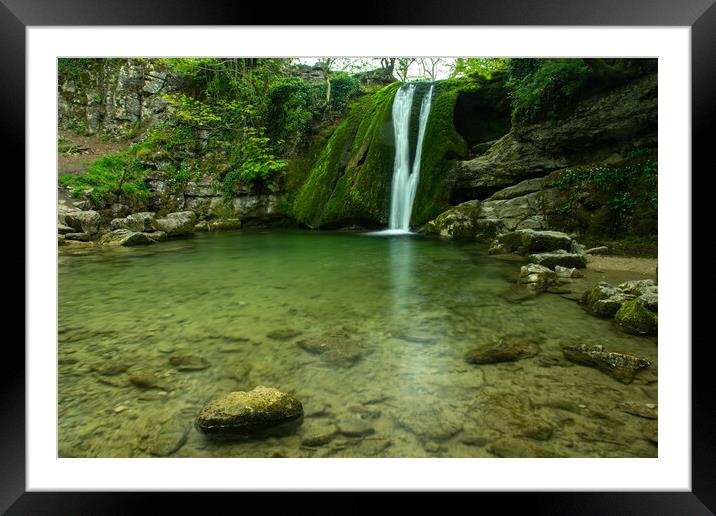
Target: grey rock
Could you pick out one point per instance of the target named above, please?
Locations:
(524, 241)
(538, 276)
(561, 258)
(457, 223)
(84, 221)
(177, 224)
(566, 272)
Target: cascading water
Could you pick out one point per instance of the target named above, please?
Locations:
(405, 180)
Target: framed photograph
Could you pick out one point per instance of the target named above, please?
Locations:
(393, 257)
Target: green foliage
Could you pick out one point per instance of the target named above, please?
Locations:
(296, 106)
(540, 86)
(114, 177)
(628, 189)
(254, 164)
(480, 67)
(74, 68)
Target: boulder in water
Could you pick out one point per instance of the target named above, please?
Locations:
(523, 241)
(178, 223)
(634, 317)
(261, 412)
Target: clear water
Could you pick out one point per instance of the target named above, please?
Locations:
(400, 311)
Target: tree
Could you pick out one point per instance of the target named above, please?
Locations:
(430, 66)
(403, 67)
(478, 66)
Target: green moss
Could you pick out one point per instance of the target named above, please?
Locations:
(350, 179)
(635, 318)
(442, 145)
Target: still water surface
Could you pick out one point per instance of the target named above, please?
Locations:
(369, 332)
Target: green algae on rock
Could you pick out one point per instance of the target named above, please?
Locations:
(636, 318)
(258, 413)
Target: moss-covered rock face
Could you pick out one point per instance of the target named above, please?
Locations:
(442, 147)
(349, 182)
(635, 317)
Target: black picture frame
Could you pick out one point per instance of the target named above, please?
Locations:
(699, 15)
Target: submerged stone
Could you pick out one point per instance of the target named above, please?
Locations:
(621, 366)
(283, 334)
(187, 361)
(504, 350)
(645, 410)
(261, 412)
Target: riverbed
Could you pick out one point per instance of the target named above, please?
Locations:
(370, 332)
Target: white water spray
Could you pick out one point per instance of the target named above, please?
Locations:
(405, 180)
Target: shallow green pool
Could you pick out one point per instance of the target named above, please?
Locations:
(368, 332)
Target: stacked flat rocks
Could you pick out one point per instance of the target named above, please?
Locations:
(546, 248)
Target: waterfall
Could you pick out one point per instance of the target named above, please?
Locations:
(405, 180)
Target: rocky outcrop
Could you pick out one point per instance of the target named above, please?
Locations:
(621, 366)
(257, 413)
(597, 128)
(115, 95)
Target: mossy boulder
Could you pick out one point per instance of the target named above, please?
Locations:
(458, 223)
(604, 300)
(258, 413)
(524, 241)
(634, 317)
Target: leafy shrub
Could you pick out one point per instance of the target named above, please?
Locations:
(539, 86)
